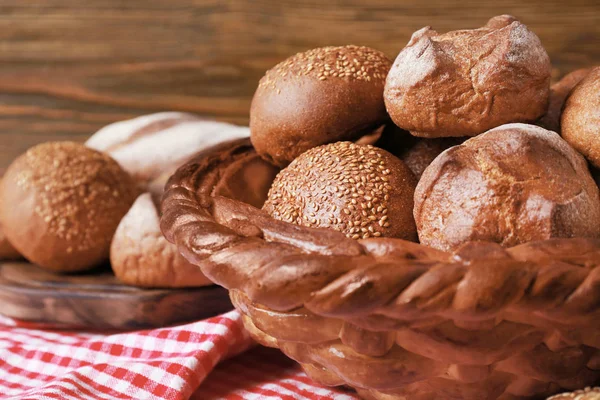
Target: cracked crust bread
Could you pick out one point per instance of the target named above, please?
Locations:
(514, 184)
(463, 83)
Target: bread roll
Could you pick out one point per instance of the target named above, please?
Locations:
(580, 121)
(359, 190)
(61, 202)
(316, 97)
(141, 256)
(149, 145)
(463, 83)
(558, 95)
(514, 184)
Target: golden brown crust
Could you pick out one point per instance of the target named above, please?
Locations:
(558, 95)
(141, 256)
(320, 96)
(61, 203)
(396, 319)
(359, 190)
(463, 83)
(580, 120)
(514, 184)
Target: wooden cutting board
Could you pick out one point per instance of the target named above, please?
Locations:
(97, 300)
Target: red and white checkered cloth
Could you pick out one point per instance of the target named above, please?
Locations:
(169, 363)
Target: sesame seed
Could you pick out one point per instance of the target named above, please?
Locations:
(339, 182)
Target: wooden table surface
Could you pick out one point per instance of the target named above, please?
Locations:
(68, 67)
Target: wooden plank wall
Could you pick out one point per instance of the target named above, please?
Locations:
(68, 67)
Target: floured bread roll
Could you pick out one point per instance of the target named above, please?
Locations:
(463, 83)
(149, 145)
(514, 184)
(580, 120)
(141, 256)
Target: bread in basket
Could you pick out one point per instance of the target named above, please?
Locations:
(390, 318)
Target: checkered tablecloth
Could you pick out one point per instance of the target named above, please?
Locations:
(211, 359)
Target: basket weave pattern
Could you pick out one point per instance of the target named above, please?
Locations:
(390, 318)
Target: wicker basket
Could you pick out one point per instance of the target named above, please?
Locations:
(393, 319)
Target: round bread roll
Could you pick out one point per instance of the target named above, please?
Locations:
(580, 121)
(585, 394)
(320, 96)
(558, 94)
(149, 145)
(465, 82)
(61, 202)
(360, 190)
(141, 256)
(139, 253)
(514, 184)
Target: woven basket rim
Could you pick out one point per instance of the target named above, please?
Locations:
(283, 267)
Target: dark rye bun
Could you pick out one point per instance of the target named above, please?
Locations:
(321, 96)
(514, 184)
(580, 121)
(463, 83)
(359, 190)
(558, 95)
(149, 145)
(417, 153)
(61, 202)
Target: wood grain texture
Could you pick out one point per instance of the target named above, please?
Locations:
(68, 67)
(98, 300)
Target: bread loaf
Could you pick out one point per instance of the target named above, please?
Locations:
(149, 145)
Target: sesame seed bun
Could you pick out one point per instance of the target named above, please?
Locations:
(61, 202)
(360, 190)
(320, 96)
(580, 122)
(463, 83)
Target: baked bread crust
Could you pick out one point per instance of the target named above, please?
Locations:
(359, 190)
(150, 145)
(514, 184)
(321, 96)
(61, 203)
(7, 251)
(396, 319)
(141, 256)
(580, 120)
(558, 95)
(463, 83)
(139, 253)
